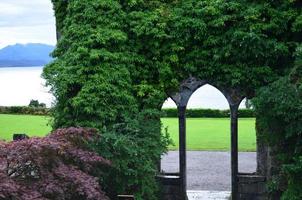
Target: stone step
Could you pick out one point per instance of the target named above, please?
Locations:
(208, 195)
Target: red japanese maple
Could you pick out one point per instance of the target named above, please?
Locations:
(58, 167)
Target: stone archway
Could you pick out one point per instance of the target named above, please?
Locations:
(243, 185)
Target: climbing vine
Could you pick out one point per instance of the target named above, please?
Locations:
(281, 128)
(116, 61)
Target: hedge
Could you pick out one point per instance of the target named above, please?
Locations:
(210, 113)
(167, 112)
(23, 110)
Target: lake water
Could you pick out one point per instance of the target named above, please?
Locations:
(21, 84)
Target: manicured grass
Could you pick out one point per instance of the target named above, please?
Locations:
(31, 125)
(213, 133)
(202, 133)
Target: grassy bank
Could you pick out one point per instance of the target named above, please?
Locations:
(29, 124)
(202, 133)
(213, 133)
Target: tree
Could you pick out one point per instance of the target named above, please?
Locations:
(36, 104)
(59, 166)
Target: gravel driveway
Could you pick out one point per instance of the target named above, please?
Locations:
(209, 170)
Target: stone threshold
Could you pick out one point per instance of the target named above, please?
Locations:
(208, 195)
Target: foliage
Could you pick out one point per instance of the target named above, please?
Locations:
(24, 110)
(93, 88)
(244, 44)
(36, 104)
(209, 113)
(281, 127)
(117, 60)
(58, 166)
(133, 157)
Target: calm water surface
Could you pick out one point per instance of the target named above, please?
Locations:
(19, 85)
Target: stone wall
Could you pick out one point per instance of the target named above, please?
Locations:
(252, 187)
(170, 187)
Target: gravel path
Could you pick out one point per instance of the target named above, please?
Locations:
(209, 170)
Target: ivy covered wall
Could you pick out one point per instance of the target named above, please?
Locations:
(116, 61)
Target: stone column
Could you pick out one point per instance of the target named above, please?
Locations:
(234, 150)
(182, 150)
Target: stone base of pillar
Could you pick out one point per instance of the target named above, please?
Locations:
(171, 187)
(252, 187)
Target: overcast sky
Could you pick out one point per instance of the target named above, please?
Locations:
(26, 21)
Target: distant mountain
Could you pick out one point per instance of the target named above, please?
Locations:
(25, 55)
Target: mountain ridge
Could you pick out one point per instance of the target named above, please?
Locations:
(24, 55)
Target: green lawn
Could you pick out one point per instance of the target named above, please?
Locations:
(31, 125)
(213, 134)
(202, 133)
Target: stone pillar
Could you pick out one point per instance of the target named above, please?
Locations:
(262, 153)
(182, 151)
(234, 150)
(170, 187)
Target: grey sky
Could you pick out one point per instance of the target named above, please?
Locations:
(26, 21)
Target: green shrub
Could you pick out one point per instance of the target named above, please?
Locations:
(246, 113)
(204, 113)
(279, 118)
(169, 112)
(16, 109)
(135, 157)
(293, 173)
(24, 110)
(209, 113)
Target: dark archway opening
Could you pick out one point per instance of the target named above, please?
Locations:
(234, 98)
(208, 144)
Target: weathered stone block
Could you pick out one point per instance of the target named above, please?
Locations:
(170, 187)
(252, 187)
